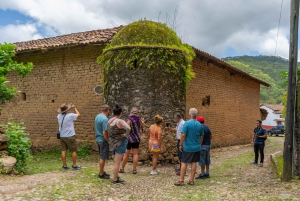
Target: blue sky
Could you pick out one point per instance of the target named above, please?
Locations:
(221, 28)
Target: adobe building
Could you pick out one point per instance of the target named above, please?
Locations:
(66, 71)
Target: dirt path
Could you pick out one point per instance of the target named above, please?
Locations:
(233, 178)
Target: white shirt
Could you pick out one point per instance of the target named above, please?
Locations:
(179, 128)
(67, 130)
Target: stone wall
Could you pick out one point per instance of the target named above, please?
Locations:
(153, 91)
(229, 103)
(59, 76)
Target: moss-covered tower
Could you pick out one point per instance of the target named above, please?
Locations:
(147, 66)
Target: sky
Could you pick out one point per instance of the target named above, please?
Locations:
(220, 27)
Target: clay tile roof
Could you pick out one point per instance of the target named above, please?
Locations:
(227, 66)
(277, 108)
(96, 36)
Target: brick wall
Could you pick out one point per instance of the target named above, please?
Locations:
(70, 74)
(59, 76)
(234, 103)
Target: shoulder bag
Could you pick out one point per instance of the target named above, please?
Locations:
(58, 134)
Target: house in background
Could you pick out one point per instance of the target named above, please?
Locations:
(274, 116)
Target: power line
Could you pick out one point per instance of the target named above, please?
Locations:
(278, 27)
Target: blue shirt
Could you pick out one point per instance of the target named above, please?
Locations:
(207, 135)
(193, 130)
(101, 122)
(259, 131)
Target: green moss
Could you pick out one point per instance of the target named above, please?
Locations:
(151, 44)
(280, 164)
(146, 33)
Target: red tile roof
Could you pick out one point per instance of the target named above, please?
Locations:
(96, 36)
(277, 108)
(103, 36)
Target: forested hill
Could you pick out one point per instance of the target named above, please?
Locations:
(266, 68)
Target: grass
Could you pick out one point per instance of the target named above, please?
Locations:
(280, 163)
(233, 178)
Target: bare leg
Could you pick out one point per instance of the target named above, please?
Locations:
(154, 160)
(135, 153)
(193, 171)
(64, 158)
(202, 169)
(182, 171)
(101, 166)
(74, 155)
(125, 159)
(207, 167)
(117, 161)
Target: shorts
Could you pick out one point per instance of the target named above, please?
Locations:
(103, 150)
(121, 149)
(205, 155)
(179, 152)
(190, 157)
(69, 143)
(133, 145)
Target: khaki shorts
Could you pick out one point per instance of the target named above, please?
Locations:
(68, 143)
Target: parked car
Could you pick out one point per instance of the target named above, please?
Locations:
(276, 130)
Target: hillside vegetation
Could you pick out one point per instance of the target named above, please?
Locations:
(266, 68)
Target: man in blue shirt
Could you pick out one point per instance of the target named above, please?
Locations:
(101, 122)
(190, 145)
(259, 138)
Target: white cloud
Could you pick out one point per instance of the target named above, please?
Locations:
(14, 33)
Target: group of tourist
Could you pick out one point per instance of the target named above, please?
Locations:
(120, 137)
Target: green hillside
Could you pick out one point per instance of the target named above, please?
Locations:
(266, 68)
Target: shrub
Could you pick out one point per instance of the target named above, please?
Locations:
(84, 150)
(19, 144)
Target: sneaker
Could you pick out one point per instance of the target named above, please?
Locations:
(118, 181)
(76, 167)
(65, 167)
(207, 175)
(153, 172)
(104, 176)
(253, 163)
(201, 176)
(261, 165)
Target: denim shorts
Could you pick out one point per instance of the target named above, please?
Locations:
(122, 148)
(204, 155)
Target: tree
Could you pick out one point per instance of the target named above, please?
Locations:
(7, 64)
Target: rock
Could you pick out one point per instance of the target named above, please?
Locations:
(143, 157)
(7, 164)
(4, 138)
(3, 146)
(95, 147)
(3, 153)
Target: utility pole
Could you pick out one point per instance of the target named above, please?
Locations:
(291, 111)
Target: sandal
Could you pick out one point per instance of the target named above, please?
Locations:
(179, 183)
(121, 171)
(134, 171)
(191, 183)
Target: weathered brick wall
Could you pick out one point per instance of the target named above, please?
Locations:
(59, 76)
(234, 103)
(70, 74)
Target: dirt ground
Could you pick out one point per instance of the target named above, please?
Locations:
(232, 178)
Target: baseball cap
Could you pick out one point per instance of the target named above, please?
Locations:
(200, 119)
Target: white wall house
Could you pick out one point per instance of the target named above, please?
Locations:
(274, 117)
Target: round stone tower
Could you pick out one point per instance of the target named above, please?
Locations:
(147, 66)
